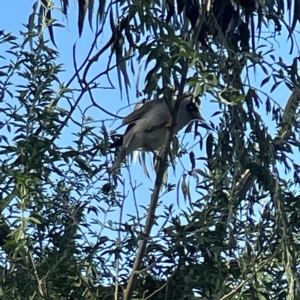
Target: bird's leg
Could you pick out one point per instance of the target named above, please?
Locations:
(149, 149)
(156, 156)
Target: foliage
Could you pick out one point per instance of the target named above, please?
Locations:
(237, 238)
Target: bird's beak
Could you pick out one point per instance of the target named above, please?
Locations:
(197, 116)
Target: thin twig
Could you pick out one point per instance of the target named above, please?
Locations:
(156, 291)
(133, 188)
(39, 281)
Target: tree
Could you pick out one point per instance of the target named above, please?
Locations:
(237, 238)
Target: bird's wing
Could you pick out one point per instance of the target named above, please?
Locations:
(162, 124)
(140, 112)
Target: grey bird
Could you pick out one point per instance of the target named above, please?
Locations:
(147, 127)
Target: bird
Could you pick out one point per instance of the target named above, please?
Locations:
(147, 126)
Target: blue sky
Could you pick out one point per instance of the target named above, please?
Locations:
(11, 20)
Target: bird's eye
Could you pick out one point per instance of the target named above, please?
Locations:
(192, 107)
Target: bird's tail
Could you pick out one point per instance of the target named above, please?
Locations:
(118, 161)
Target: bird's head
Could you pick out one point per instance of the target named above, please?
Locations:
(192, 106)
